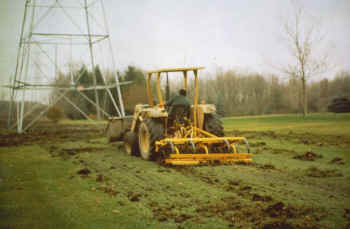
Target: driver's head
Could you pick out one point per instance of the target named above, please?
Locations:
(182, 92)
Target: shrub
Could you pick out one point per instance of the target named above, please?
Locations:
(55, 114)
(92, 116)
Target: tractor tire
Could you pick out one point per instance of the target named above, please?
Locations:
(213, 125)
(150, 131)
(131, 145)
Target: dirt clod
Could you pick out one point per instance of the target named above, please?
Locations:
(208, 180)
(198, 220)
(234, 182)
(267, 166)
(84, 171)
(347, 214)
(308, 156)
(278, 210)
(257, 197)
(246, 188)
(338, 161)
(100, 178)
(162, 218)
(134, 197)
(181, 218)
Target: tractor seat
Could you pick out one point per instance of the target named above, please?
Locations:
(179, 113)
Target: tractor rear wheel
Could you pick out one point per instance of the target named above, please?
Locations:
(131, 145)
(213, 125)
(150, 131)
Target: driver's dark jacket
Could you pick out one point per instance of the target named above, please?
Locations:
(178, 100)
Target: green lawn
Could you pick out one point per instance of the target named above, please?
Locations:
(40, 186)
(321, 124)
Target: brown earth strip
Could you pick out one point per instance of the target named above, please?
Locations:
(305, 138)
(308, 156)
(322, 173)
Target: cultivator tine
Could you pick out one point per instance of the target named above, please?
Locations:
(172, 147)
(227, 145)
(235, 150)
(246, 143)
(193, 146)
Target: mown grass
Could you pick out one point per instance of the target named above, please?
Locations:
(321, 124)
(40, 187)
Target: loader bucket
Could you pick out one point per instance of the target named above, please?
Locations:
(117, 126)
(202, 150)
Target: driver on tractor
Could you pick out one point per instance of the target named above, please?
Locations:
(179, 107)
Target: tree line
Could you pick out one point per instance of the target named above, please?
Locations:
(232, 92)
(255, 94)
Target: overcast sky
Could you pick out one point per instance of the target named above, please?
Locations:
(222, 33)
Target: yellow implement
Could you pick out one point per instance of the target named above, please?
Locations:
(201, 148)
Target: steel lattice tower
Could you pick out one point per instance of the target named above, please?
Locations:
(52, 32)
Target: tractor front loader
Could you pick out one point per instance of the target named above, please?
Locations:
(186, 138)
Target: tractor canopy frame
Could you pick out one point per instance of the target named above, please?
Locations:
(159, 92)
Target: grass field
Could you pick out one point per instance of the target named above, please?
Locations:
(68, 176)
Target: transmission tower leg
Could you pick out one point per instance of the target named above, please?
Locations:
(18, 63)
(121, 103)
(26, 57)
(92, 61)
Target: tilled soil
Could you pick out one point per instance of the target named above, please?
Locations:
(300, 138)
(55, 133)
(240, 201)
(258, 212)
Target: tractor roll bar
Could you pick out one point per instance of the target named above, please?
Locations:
(166, 70)
(159, 91)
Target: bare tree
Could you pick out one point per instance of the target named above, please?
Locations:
(304, 38)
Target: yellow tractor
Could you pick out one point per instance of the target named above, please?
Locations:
(179, 137)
